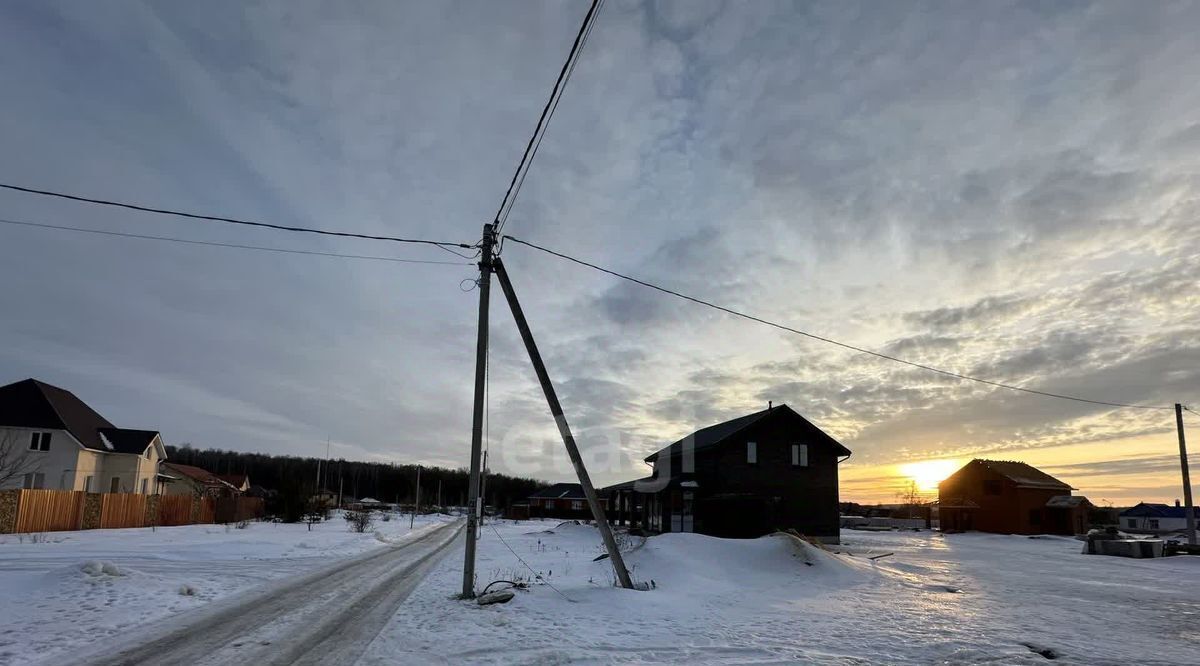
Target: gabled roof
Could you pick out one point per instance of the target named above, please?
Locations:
(1152, 510)
(1025, 476)
(716, 434)
(30, 403)
(560, 491)
(197, 474)
(128, 441)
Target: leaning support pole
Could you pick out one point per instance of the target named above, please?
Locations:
(1190, 512)
(610, 544)
(485, 281)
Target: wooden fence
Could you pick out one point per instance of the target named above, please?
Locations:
(49, 510)
(174, 510)
(24, 511)
(118, 510)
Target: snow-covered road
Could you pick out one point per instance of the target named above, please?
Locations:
(326, 617)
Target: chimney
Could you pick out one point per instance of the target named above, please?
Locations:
(770, 405)
(1177, 504)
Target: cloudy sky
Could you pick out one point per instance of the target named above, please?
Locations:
(1002, 189)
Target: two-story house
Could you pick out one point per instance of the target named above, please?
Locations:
(1009, 497)
(742, 478)
(61, 443)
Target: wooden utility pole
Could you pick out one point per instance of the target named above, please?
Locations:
(417, 506)
(481, 343)
(1187, 480)
(535, 357)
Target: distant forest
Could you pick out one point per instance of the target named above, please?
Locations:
(383, 481)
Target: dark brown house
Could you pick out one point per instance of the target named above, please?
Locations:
(1009, 498)
(741, 478)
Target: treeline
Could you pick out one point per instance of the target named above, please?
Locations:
(386, 482)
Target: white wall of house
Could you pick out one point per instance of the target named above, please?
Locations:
(57, 466)
(1153, 524)
(133, 473)
(69, 466)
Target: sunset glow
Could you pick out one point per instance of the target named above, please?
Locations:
(928, 473)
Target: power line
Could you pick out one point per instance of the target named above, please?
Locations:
(831, 341)
(230, 220)
(230, 245)
(543, 122)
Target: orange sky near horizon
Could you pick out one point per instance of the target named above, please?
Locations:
(1120, 472)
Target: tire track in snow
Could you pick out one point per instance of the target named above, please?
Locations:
(326, 617)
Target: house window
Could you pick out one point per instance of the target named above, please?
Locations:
(34, 480)
(1132, 522)
(144, 483)
(39, 441)
(1153, 523)
(751, 453)
(577, 504)
(993, 487)
(1035, 516)
(115, 486)
(800, 455)
(87, 484)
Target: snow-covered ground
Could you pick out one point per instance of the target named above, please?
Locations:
(64, 590)
(954, 599)
(963, 598)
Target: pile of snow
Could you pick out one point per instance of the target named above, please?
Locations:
(98, 568)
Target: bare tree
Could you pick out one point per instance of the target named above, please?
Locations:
(910, 498)
(15, 460)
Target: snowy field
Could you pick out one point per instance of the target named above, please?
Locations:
(71, 589)
(954, 599)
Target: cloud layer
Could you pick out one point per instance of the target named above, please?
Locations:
(1008, 190)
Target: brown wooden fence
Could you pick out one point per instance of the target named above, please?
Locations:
(174, 510)
(49, 510)
(24, 511)
(119, 510)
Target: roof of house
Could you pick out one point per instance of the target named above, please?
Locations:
(635, 485)
(1153, 510)
(560, 491)
(30, 403)
(235, 480)
(198, 474)
(716, 434)
(1066, 501)
(1025, 476)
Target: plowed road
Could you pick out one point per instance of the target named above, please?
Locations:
(325, 617)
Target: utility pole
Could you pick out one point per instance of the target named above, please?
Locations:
(535, 357)
(481, 343)
(439, 494)
(1187, 480)
(416, 507)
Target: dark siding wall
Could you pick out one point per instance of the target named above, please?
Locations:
(782, 495)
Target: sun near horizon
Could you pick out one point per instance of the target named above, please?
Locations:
(928, 473)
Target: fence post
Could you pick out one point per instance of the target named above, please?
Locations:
(91, 511)
(9, 501)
